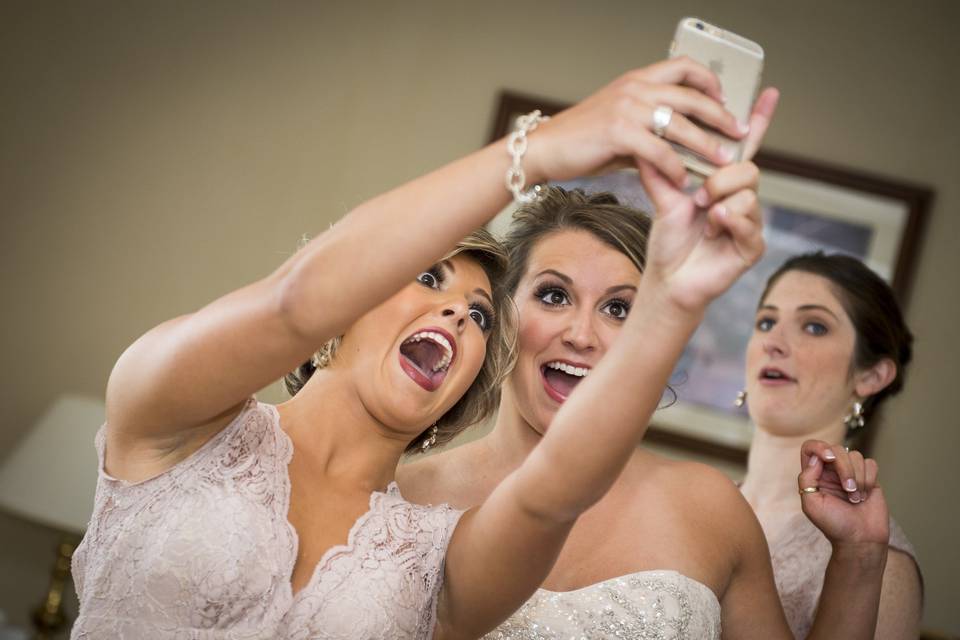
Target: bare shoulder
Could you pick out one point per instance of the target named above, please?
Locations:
(709, 496)
(699, 479)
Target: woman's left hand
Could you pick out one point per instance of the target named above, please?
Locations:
(848, 506)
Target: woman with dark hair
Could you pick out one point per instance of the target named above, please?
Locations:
(829, 346)
(672, 547)
(218, 516)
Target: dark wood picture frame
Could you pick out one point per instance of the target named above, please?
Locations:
(914, 200)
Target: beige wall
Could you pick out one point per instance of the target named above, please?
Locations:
(153, 158)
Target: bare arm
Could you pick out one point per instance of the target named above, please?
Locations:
(184, 380)
(502, 551)
(901, 603)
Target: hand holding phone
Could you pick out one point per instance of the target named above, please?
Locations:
(737, 63)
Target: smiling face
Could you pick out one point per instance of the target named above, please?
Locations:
(571, 301)
(800, 375)
(414, 356)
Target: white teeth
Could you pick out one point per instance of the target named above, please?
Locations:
(580, 372)
(438, 339)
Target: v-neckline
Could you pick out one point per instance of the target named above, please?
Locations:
(318, 569)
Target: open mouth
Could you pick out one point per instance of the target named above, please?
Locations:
(771, 375)
(560, 378)
(426, 357)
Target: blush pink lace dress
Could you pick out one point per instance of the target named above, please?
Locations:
(800, 556)
(205, 551)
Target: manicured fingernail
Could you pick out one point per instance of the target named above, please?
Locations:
(850, 484)
(855, 497)
(720, 211)
(830, 455)
(743, 127)
(700, 198)
(725, 154)
(812, 462)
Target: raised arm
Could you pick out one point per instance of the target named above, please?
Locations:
(185, 379)
(503, 550)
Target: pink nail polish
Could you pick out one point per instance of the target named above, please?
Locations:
(830, 455)
(720, 211)
(812, 462)
(855, 497)
(850, 484)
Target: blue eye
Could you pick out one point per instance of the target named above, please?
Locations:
(552, 296)
(617, 308)
(765, 324)
(815, 329)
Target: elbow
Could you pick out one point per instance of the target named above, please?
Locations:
(294, 303)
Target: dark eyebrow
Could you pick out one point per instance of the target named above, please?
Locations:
(554, 272)
(804, 307)
(815, 307)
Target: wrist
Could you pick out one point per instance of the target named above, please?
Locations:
(656, 296)
(524, 178)
(863, 557)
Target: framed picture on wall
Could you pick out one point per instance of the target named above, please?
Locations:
(807, 206)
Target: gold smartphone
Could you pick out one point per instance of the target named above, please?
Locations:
(738, 63)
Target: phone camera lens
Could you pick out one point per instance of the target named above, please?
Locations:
(699, 25)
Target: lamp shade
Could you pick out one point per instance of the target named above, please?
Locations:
(50, 476)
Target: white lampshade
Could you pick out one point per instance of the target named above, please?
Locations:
(50, 476)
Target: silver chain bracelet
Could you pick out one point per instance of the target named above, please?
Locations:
(517, 147)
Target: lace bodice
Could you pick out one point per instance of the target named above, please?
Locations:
(205, 550)
(800, 556)
(649, 605)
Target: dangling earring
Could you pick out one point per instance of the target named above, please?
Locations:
(431, 439)
(741, 398)
(854, 419)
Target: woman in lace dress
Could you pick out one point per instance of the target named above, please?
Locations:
(673, 547)
(829, 337)
(220, 517)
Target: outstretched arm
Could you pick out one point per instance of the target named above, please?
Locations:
(503, 550)
(184, 380)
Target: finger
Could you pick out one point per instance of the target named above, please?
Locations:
(684, 132)
(657, 186)
(819, 448)
(726, 181)
(747, 235)
(859, 474)
(844, 468)
(695, 104)
(760, 118)
(635, 139)
(686, 71)
(738, 209)
(809, 476)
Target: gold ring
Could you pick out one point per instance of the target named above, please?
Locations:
(809, 490)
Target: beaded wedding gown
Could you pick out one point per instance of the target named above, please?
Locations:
(649, 605)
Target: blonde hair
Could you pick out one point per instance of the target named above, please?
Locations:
(482, 397)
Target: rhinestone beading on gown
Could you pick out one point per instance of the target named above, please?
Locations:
(650, 605)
